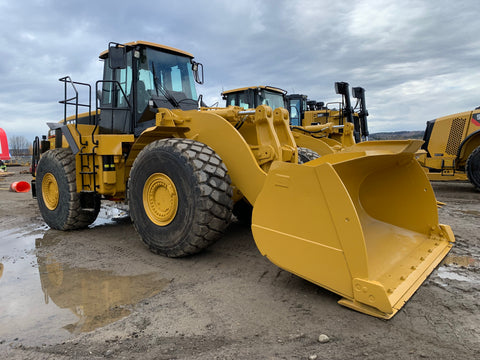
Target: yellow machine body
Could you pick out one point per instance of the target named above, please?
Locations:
(349, 232)
(449, 142)
(330, 141)
(362, 223)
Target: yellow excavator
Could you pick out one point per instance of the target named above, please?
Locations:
(451, 148)
(334, 221)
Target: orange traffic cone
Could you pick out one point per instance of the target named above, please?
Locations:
(20, 186)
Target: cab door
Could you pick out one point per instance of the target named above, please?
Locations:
(116, 96)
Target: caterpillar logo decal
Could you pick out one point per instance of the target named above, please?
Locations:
(476, 119)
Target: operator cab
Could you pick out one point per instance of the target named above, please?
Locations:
(251, 97)
(139, 78)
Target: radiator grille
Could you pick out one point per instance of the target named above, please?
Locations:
(455, 136)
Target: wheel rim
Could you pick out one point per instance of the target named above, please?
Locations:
(50, 191)
(160, 199)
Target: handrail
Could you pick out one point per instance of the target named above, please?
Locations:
(69, 101)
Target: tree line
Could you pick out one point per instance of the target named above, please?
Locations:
(19, 146)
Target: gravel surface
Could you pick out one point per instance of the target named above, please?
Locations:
(100, 293)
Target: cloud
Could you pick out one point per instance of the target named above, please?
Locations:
(417, 60)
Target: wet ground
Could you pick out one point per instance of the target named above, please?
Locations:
(99, 292)
(44, 300)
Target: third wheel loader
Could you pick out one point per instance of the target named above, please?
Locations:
(364, 225)
(451, 149)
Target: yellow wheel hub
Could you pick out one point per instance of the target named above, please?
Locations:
(50, 191)
(160, 199)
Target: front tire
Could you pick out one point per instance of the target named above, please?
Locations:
(473, 168)
(305, 155)
(180, 196)
(56, 190)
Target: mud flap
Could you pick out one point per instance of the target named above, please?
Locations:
(361, 224)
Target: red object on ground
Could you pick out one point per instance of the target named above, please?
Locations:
(20, 186)
(4, 152)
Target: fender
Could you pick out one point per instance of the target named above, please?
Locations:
(61, 129)
(475, 136)
(214, 130)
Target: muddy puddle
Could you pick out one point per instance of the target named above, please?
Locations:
(45, 301)
(470, 212)
(458, 267)
(460, 260)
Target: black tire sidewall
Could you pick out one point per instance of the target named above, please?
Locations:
(176, 167)
(473, 168)
(50, 163)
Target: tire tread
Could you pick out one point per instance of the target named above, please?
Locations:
(214, 211)
(473, 168)
(75, 217)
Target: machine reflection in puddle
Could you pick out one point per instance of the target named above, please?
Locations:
(97, 298)
(44, 300)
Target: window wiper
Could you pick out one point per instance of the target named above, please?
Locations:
(164, 91)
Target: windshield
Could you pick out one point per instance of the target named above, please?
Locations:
(271, 98)
(262, 97)
(166, 74)
(238, 99)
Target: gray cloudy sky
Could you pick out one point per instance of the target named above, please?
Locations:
(417, 60)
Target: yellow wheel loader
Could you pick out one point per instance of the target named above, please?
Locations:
(337, 128)
(334, 221)
(310, 120)
(312, 140)
(451, 148)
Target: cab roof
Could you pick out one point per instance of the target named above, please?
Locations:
(271, 88)
(103, 55)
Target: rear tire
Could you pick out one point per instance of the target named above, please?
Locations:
(56, 190)
(180, 196)
(306, 155)
(473, 168)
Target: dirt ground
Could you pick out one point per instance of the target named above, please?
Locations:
(99, 293)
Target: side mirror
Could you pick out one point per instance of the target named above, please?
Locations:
(197, 69)
(117, 57)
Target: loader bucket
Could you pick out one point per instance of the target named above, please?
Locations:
(361, 224)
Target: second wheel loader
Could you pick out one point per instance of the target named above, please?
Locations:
(181, 170)
(310, 120)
